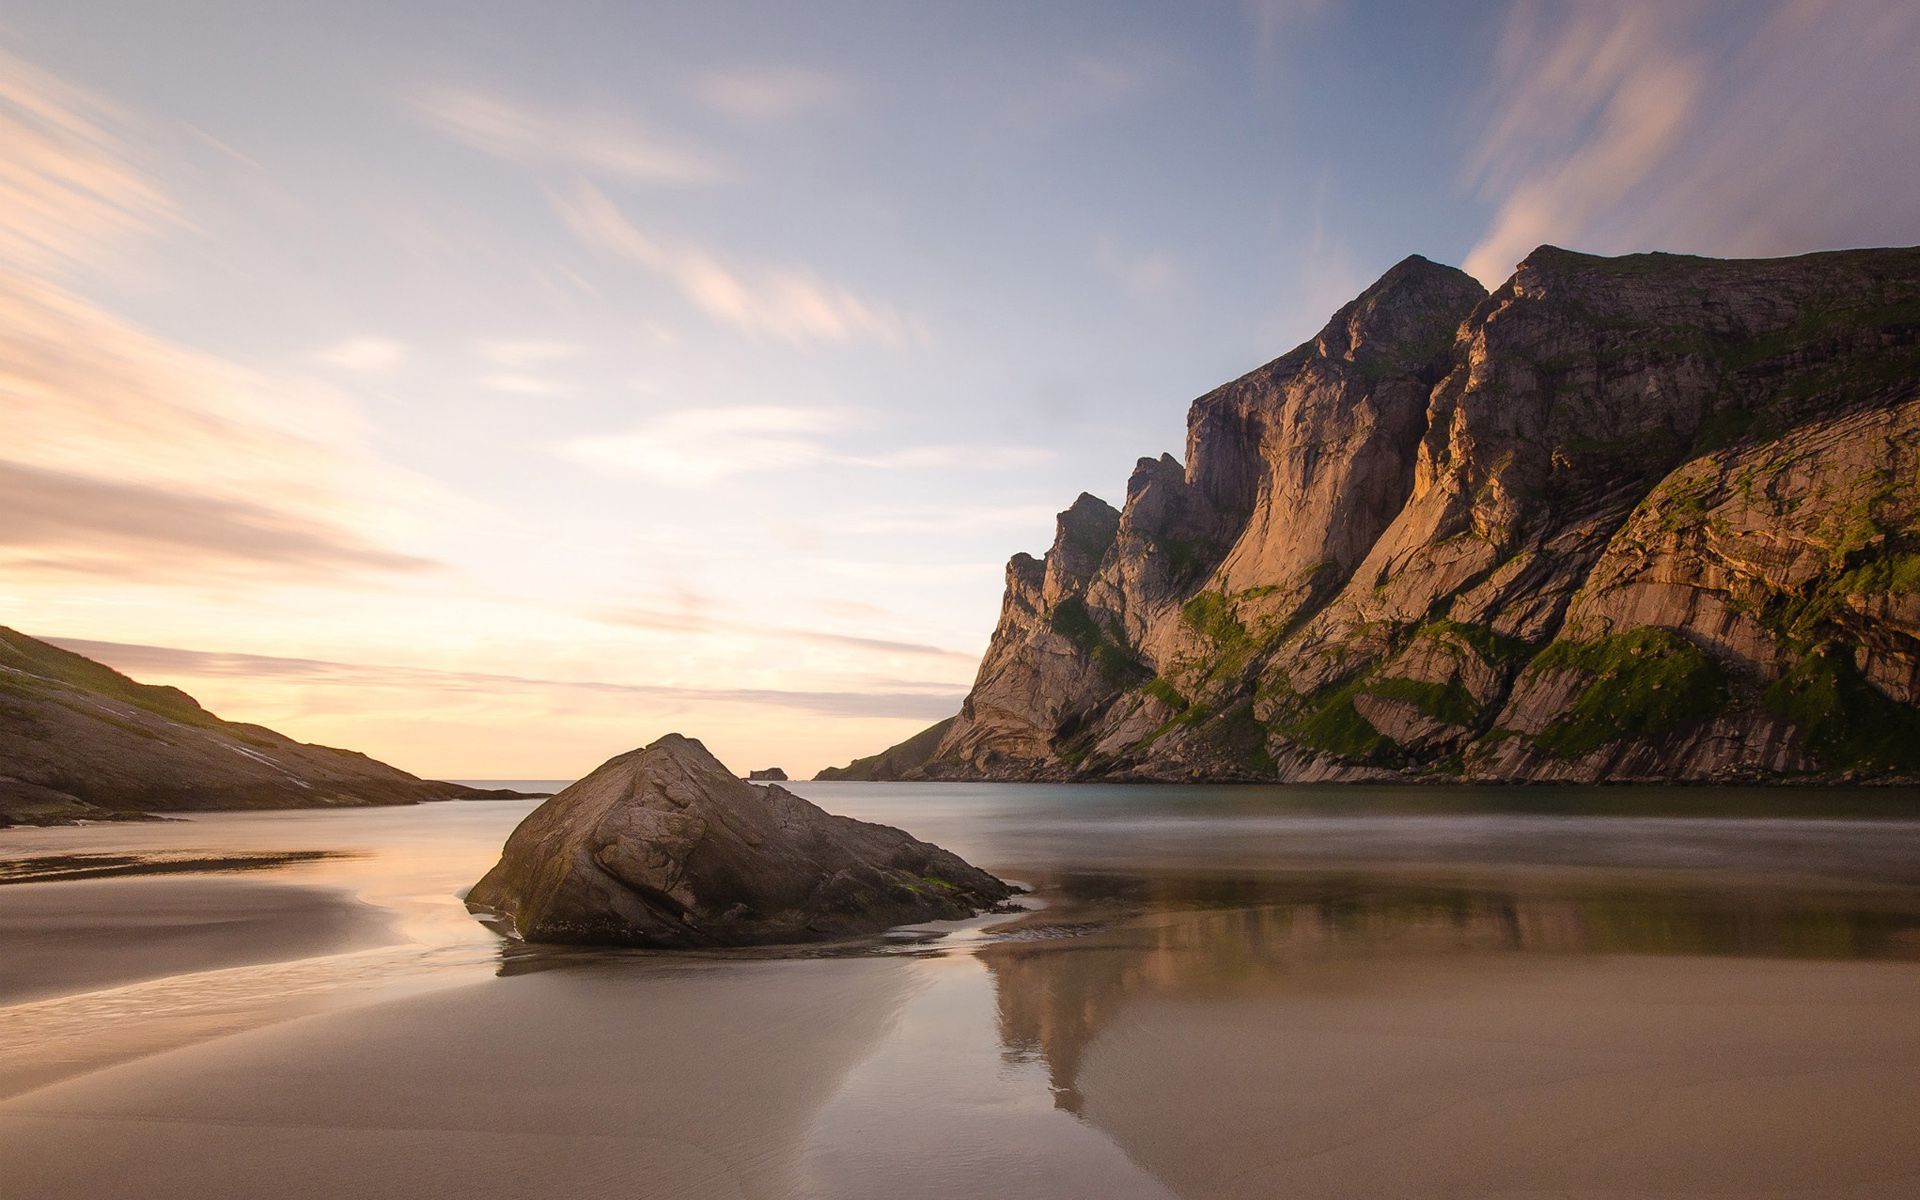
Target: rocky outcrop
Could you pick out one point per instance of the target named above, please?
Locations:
(665, 847)
(896, 762)
(1651, 517)
(80, 741)
(768, 775)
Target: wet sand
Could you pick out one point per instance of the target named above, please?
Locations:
(1573, 1078)
(82, 935)
(1485, 1009)
(881, 1077)
(684, 1081)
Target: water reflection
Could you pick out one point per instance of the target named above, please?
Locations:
(1062, 975)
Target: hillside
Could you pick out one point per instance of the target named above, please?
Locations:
(79, 740)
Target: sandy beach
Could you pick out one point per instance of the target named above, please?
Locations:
(84, 935)
(1701, 1027)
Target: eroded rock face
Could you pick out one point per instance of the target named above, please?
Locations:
(665, 847)
(1651, 517)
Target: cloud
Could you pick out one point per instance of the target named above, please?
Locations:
(1085, 85)
(520, 354)
(1588, 110)
(588, 140)
(695, 447)
(692, 622)
(959, 456)
(68, 186)
(362, 354)
(1273, 21)
(134, 659)
(784, 303)
(124, 450)
(1145, 274)
(959, 519)
(698, 446)
(119, 428)
(522, 384)
(768, 94)
(63, 523)
(1644, 125)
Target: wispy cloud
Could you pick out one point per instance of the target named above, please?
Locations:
(696, 447)
(521, 354)
(521, 383)
(1647, 125)
(362, 354)
(699, 446)
(954, 456)
(1085, 85)
(1274, 21)
(693, 622)
(123, 451)
(787, 304)
(1145, 274)
(61, 523)
(68, 185)
(954, 519)
(594, 141)
(1587, 109)
(135, 658)
(768, 93)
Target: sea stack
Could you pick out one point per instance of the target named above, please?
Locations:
(665, 847)
(768, 775)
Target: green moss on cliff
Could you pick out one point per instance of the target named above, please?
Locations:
(1114, 659)
(1165, 693)
(1645, 683)
(1817, 611)
(1493, 647)
(1448, 702)
(1331, 724)
(1071, 620)
(1211, 615)
(1845, 721)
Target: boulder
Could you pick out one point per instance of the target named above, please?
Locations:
(666, 847)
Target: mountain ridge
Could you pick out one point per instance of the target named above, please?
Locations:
(81, 741)
(1643, 518)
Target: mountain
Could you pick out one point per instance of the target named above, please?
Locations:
(896, 762)
(1643, 518)
(79, 740)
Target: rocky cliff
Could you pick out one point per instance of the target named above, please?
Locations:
(79, 740)
(1651, 517)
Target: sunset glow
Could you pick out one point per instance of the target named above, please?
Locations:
(491, 412)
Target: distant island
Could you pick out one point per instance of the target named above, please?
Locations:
(1650, 518)
(80, 741)
(769, 775)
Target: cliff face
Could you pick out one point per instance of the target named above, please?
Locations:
(1651, 517)
(79, 740)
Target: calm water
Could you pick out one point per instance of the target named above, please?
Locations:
(1221, 991)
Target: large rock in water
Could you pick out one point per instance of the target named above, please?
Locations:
(666, 847)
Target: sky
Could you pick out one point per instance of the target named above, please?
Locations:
(495, 387)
